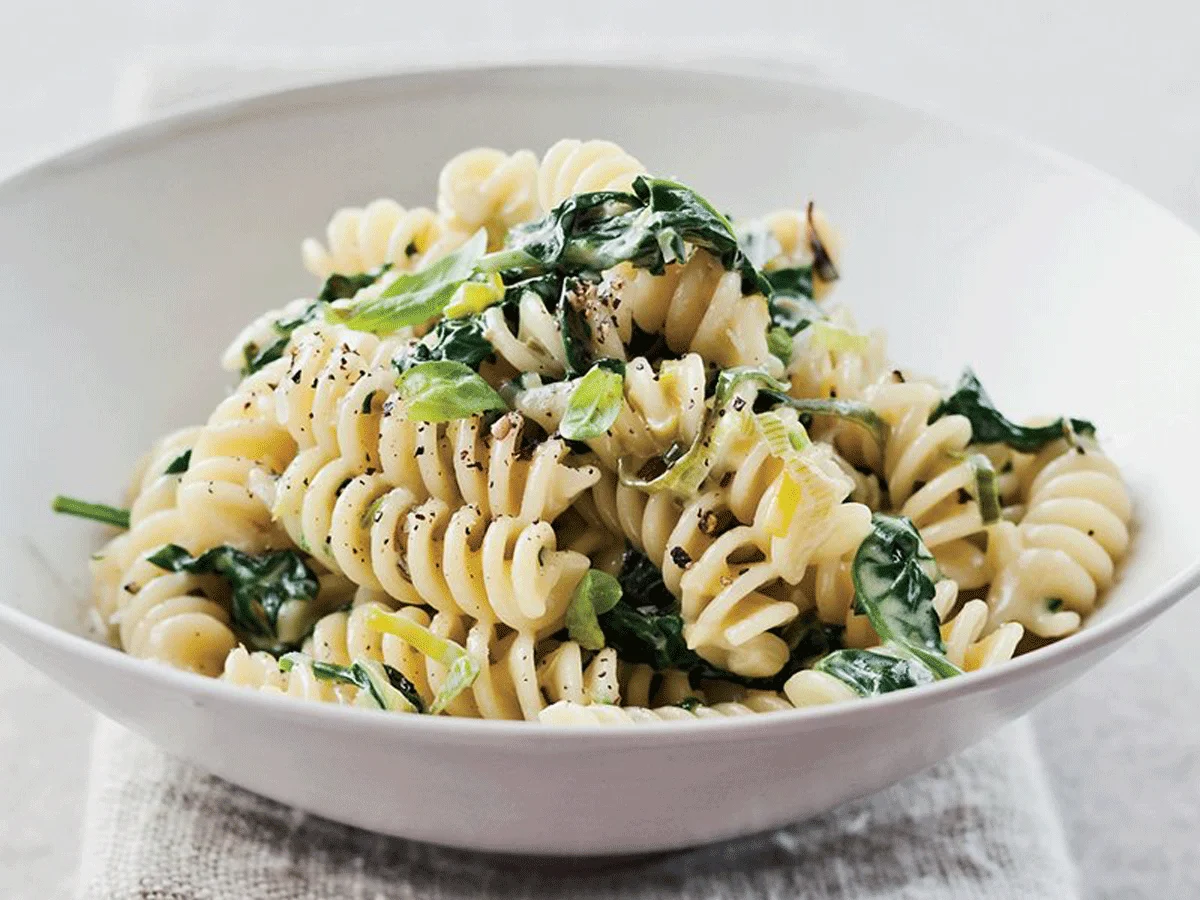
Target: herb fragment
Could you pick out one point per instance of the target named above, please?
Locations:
(97, 512)
(596, 594)
(179, 464)
(594, 404)
(442, 390)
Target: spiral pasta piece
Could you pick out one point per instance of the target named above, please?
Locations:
(488, 188)
(517, 677)
(360, 239)
(822, 368)
(179, 618)
(697, 306)
(240, 447)
(724, 557)
(798, 232)
(660, 409)
(929, 478)
(1064, 551)
(578, 167)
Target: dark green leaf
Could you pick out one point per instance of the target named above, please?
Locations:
(179, 464)
(870, 673)
(594, 404)
(648, 228)
(456, 340)
(255, 357)
(989, 426)
(343, 287)
(596, 594)
(360, 676)
(260, 586)
(576, 332)
(442, 390)
(97, 512)
(790, 303)
(414, 297)
(894, 575)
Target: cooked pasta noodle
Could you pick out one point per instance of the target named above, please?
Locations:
(383, 232)
(618, 463)
(577, 167)
(1062, 554)
(486, 188)
(696, 306)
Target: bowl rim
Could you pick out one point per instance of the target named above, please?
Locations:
(203, 114)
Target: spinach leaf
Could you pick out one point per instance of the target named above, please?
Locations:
(414, 297)
(387, 688)
(456, 340)
(595, 403)
(870, 673)
(442, 390)
(97, 512)
(344, 287)
(261, 587)
(648, 228)
(645, 625)
(795, 282)
(179, 464)
(575, 330)
(255, 357)
(596, 594)
(989, 426)
(893, 574)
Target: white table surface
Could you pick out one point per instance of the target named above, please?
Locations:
(1115, 83)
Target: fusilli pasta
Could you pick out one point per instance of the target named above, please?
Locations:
(619, 463)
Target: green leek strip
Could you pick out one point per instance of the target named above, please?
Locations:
(462, 668)
(852, 411)
(987, 492)
(474, 297)
(97, 512)
(837, 339)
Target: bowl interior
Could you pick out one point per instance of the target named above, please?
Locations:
(128, 265)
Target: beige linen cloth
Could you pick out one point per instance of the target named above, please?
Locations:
(980, 826)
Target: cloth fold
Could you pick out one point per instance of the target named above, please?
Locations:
(980, 826)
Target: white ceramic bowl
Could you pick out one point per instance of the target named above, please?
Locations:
(129, 263)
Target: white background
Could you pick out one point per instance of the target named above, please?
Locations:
(1114, 83)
